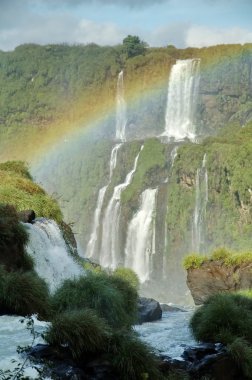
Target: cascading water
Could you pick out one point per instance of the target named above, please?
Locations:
(201, 199)
(109, 255)
(140, 244)
(91, 246)
(121, 110)
(181, 100)
(52, 261)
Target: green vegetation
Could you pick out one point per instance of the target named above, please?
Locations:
(23, 293)
(128, 275)
(227, 258)
(227, 318)
(109, 296)
(17, 189)
(194, 261)
(133, 46)
(82, 330)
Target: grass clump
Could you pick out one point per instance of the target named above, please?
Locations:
(220, 254)
(132, 359)
(238, 259)
(98, 292)
(227, 318)
(18, 167)
(194, 261)
(128, 275)
(23, 293)
(81, 330)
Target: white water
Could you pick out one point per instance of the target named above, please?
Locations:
(140, 244)
(181, 100)
(169, 336)
(121, 110)
(109, 255)
(201, 200)
(14, 333)
(91, 246)
(47, 247)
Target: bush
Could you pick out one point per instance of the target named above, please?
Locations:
(97, 292)
(227, 318)
(18, 167)
(132, 359)
(81, 330)
(23, 293)
(194, 261)
(220, 254)
(128, 275)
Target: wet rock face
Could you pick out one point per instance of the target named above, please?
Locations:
(26, 216)
(214, 277)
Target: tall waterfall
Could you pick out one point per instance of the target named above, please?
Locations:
(140, 244)
(109, 255)
(181, 100)
(47, 247)
(201, 199)
(91, 246)
(121, 110)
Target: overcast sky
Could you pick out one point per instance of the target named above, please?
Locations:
(106, 22)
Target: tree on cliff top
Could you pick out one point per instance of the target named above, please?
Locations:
(134, 46)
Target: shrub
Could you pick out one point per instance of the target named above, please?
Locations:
(23, 293)
(95, 292)
(18, 167)
(227, 318)
(129, 275)
(220, 254)
(132, 359)
(81, 330)
(194, 261)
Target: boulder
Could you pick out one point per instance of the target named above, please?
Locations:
(149, 310)
(26, 216)
(170, 308)
(214, 276)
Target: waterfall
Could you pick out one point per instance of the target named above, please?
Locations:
(47, 247)
(201, 199)
(91, 246)
(181, 100)
(140, 244)
(121, 117)
(110, 255)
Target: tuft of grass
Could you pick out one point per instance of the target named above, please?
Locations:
(18, 167)
(194, 261)
(128, 275)
(239, 259)
(132, 359)
(241, 352)
(81, 330)
(23, 293)
(98, 292)
(220, 254)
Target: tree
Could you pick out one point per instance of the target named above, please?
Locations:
(134, 46)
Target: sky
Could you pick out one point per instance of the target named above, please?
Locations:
(106, 22)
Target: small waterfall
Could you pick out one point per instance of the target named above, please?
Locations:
(121, 110)
(201, 199)
(140, 244)
(181, 100)
(52, 261)
(110, 255)
(91, 246)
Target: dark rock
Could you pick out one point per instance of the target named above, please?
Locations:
(26, 216)
(214, 277)
(202, 360)
(171, 308)
(149, 310)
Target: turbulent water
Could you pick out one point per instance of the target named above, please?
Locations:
(121, 110)
(141, 236)
(47, 247)
(14, 333)
(109, 255)
(181, 100)
(168, 336)
(201, 199)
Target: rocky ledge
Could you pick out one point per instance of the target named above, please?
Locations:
(215, 276)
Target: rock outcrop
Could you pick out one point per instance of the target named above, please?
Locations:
(149, 310)
(214, 276)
